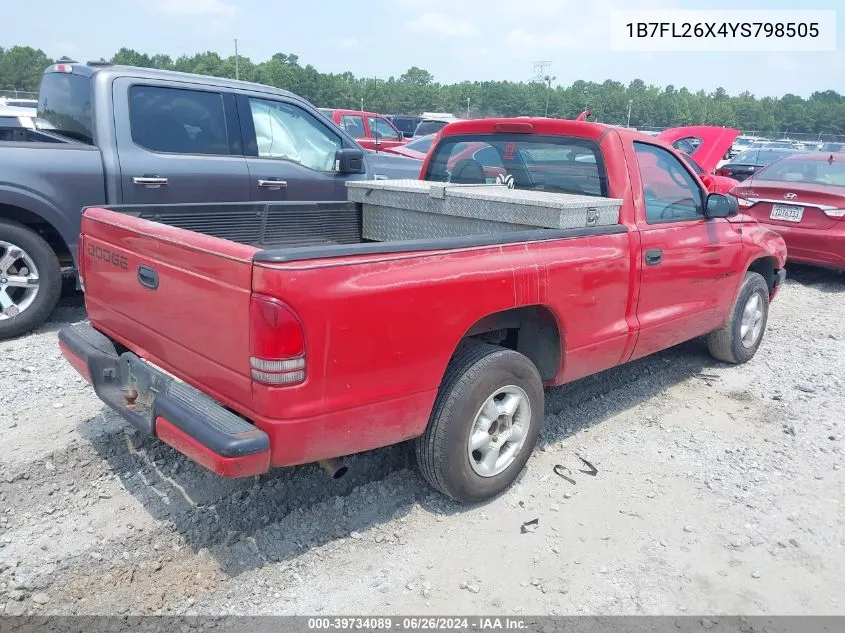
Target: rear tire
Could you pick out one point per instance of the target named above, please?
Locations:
(737, 341)
(21, 312)
(481, 381)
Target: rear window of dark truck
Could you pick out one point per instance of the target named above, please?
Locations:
(64, 106)
(522, 161)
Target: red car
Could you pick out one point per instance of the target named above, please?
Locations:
(370, 129)
(416, 148)
(702, 147)
(802, 197)
(335, 344)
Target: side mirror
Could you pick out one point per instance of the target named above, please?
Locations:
(401, 135)
(719, 205)
(349, 161)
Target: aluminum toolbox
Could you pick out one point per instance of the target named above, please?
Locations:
(418, 209)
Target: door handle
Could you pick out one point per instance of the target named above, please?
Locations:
(148, 277)
(153, 182)
(273, 183)
(653, 256)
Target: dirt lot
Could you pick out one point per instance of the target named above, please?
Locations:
(718, 490)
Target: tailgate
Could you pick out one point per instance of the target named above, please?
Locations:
(177, 298)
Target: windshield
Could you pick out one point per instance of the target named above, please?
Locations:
(422, 144)
(780, 145)
(542, 163)
(759, 157)
(429, 127)
(799, 169)
(64, 103)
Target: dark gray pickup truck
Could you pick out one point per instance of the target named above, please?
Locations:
(143, 136)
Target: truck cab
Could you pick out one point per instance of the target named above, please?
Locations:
(372, 130)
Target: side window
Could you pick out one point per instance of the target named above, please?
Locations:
(177, 121)
(382, 129)
(688, 144)
(354, 125)
(671, 193)
(286, 131)
(692, 164)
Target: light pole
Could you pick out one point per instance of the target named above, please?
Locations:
(549, 80)
(630, 103)
(237, 73)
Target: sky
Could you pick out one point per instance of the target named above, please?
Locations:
(455, 40)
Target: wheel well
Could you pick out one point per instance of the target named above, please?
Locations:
(765, 266)
(40, 226)
(532, 331)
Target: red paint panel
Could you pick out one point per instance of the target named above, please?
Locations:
(254, 464)
(77, 363)
(196, 323)
(378, 328)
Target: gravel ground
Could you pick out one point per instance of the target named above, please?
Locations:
(718, 490)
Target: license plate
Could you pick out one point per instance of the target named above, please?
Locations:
(787, 213)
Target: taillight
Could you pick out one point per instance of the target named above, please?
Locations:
(835, 213)
(277, 343)
(723, 172)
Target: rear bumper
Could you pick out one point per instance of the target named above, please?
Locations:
(160, 406)
(818, 247)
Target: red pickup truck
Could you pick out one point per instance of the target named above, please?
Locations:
(371, 130)
(246, 348)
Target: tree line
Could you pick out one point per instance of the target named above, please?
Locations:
(415, 91)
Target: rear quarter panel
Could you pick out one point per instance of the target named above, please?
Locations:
(54, 181)
(385, 327)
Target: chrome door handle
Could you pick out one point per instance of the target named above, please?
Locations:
(149, 181)
(273, 184)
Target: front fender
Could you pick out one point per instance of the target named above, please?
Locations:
(762, 241)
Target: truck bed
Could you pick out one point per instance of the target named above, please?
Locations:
(292, 231)
(194, 290)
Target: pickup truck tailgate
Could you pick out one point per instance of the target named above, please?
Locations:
(177, 298)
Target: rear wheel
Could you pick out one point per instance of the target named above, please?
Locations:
(737, 341)
(484, 425)
(30, 279)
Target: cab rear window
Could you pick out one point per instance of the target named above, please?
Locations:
(64, 105)
(540, 163)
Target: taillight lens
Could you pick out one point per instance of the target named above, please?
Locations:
(277, 343)
(835, 213)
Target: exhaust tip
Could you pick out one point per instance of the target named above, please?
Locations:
(334, 467)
